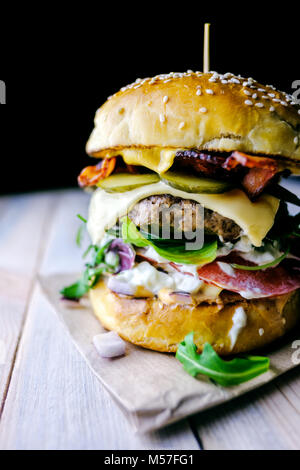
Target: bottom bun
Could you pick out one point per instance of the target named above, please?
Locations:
(151, 324)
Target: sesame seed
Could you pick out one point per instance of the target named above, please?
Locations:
(272, 108)
(259, 105)
(261, 89)
(212, 79)
(264, 97)
(283, 103)
(162, 118)
(261, 331)
(181, 125)
(203, 110)
(209, 92)
(271, 95)
(165, 99)
(254, 96)
(234, 80)
(224, 81)
(247, 92)
(198, 92)
(276, 100)
(248, 103)
(296, 140)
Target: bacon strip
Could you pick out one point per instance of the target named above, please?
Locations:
(256, 180)
(249, 161)
(262, 171)
(90, 175)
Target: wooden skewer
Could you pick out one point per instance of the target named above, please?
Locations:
(206, 64)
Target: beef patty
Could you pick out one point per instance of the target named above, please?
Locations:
(183, 215)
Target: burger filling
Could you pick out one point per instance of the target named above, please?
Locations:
(249, 247)
(147, 211)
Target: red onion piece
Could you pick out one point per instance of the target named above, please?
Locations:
(181, 297)
(119, 287)
(75, 303)
(109, 344)
(125, 253)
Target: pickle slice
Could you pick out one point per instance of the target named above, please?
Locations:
(122, 182)
(195, 184)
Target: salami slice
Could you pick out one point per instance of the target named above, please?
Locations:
(270, 282)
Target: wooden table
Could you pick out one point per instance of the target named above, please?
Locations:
(51, 400)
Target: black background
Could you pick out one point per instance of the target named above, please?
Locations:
(60, 65)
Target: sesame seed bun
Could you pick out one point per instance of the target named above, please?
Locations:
(154, 325)
(207, 111)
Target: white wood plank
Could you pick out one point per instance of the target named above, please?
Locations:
(23, 220)
(268, 418)
(289, 385)
(264, 420)
(54, 401)
(13, 298)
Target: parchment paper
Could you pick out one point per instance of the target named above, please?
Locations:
(151, 388)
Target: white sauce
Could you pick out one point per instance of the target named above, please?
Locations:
(249, 253)
(226, 268)
(150, 253)
(145, 275)
(239, 321)
(255, 293)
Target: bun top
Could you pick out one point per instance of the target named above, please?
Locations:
(208, 111)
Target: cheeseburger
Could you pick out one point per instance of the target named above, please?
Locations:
(189, 223)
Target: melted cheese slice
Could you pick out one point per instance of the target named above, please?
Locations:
(254, 218)
(155, 158)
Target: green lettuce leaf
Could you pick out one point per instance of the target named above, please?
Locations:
(225, 373)
(177, 254)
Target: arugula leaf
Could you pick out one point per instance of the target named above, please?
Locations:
(178, 253)
(91, 274)
(81, 218)
(225, 373)
(78, 289)
(262, 266)
(79, 235)
(80, 231)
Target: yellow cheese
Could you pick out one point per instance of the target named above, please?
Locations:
(157, 159)
(254, 218)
